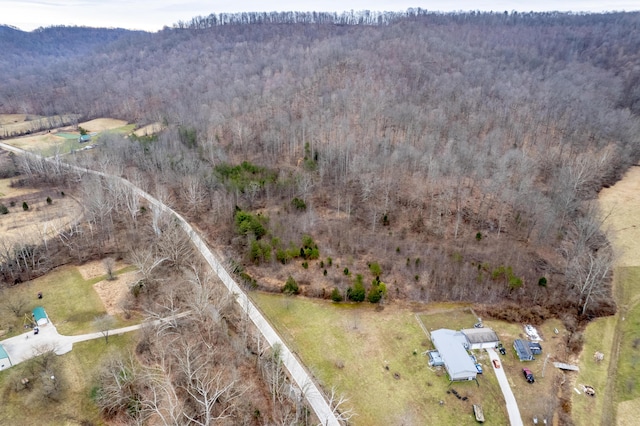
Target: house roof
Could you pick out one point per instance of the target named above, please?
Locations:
(523, 350)
(39, 313)
(451, 346)
(3, 353)
(480, 335)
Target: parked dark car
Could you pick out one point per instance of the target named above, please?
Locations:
(528, 375)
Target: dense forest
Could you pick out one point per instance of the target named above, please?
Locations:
(449, 156)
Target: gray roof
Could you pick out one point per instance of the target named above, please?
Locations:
(451, 346)
(480, 335)
(523, 350)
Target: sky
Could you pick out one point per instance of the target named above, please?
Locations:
(153, 15)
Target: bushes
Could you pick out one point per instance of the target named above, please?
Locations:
(299, 204)
(336, 296)
(357, 293)
(247, 223)
(3, 209)
(291, 286)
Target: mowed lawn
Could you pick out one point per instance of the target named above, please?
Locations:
(76, 370)
(69, 300)
(72, 304)
(599, 336)
(349, 346)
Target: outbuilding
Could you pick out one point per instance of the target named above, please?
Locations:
(535, 347)
(5, 362)
(40, 316)
(523, 350)
(452, 347)
(480, 338)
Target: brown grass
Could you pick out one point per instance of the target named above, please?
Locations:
(41, 219)
(149, 129)
(102, 124)
(620, 206)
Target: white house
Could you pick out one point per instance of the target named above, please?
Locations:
(452, 347)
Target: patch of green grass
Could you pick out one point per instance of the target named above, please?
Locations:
(69, 300)
(628, 372)
(349, 346)
(77, 370)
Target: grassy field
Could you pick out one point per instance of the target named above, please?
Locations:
(615, 379)
(50, 143)
(597, 337)
(59, 287)
(348, 347)
(76, 370)
(72, 305)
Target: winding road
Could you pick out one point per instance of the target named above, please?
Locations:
(297, 371)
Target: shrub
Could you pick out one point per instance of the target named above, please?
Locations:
(259, 252)
(305, 264)
(298, 204)
(336, 296)
(375, 294)
(345, 271)
(25, 206)
(329, 261)
(357, 293)
(3, 209)
(247, 223)
(12, 203)
(542, 282)
(478, 236)
(324, 272)
(291, 286)
(375, 269)
(49, 201)
(283, 256)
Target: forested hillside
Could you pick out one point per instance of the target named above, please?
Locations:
(453, 156)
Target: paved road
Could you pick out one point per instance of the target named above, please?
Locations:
(510, 400)
(297, 372)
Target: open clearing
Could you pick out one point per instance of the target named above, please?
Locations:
(60, 140)
(76, 369)
(13, 124)
(41, 220)
(618, 337)
(347, 346)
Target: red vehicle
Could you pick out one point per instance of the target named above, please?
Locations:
(496, 363)
(528, 375)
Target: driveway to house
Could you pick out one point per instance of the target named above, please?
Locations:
(28, 345)
(510, 400)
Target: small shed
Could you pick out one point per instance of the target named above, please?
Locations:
(40, 316)
(481, 338)
(5, 362)
(523, 350)
(435, 360)
(535, 347)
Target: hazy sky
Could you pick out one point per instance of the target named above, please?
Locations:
(152, 15)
